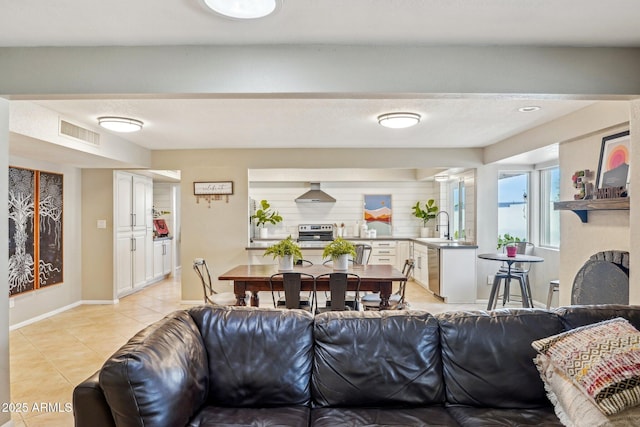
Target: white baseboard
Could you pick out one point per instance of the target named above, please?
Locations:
(44, 316)
(8, 424)
(100, 302)
(191, 302)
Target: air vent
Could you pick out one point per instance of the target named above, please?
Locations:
(79, 133)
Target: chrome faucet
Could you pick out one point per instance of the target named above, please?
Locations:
(446, 233)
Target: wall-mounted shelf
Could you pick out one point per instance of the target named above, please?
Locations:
(582, 207)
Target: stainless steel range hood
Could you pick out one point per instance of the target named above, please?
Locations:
(315, 195)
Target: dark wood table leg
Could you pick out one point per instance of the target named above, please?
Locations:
(240, 290)
(384, 298)
(255, 299)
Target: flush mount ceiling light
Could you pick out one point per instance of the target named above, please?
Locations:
(399, 120)
(243, 9)
(120, 124)
(441, 177)
(529, 109)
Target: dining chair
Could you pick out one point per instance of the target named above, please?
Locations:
(397, 300)
(210, 295)
(363, 253)
(292, 285)
(338, 283)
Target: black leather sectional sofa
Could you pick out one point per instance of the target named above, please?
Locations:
(237, 366)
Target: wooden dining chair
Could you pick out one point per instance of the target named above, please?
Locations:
(292, 285)
(338, 283)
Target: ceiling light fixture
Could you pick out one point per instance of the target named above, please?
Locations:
(529, 109)
(441, 177)
(120, 124)
(243, 9)
(399, 120)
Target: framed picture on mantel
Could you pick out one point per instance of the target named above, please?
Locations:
(613, 167)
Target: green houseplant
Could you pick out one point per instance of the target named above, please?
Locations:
(265, 215)
(339, 251)
(428, 213)
(287, 251)
(507, 238)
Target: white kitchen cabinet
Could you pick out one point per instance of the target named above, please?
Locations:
(421, 267)
(133, 198)
(403, 253)
(383, 252)
(130, 262)
(162, 258)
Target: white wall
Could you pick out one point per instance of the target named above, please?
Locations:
(606, 230)
(349, 205)
(5, 395)
(30, 305)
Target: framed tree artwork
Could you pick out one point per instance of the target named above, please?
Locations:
(35, 229)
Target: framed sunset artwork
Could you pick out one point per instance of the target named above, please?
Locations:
(613, 168)
(378, 214)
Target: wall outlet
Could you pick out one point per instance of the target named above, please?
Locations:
(490, 279)
(102, 223)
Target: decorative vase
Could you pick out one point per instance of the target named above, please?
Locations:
(264, 233)
(341, 263)
(425, 232)
(512, 251)
(285, 263)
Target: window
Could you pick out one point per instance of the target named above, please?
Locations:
(458, 219)
(549, 218)
(513, 204)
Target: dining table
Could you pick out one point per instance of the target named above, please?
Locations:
(254, 278)
(509, 260)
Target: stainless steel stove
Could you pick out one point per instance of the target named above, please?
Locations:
(315, 232)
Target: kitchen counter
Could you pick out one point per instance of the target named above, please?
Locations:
(444, 244)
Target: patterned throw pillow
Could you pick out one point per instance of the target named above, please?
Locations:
(602, 359)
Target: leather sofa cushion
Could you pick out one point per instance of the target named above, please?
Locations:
(160, 377)
(387, 417)
(290, 416)
(382, 358)
(257, 358)
(89, 404)
(488, 359)
(492, 417)
(576, 316)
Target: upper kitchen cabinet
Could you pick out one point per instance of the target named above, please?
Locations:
(134, 198)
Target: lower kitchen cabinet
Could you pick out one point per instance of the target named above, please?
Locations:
(421, 266)
(131, 265)
(162, 257)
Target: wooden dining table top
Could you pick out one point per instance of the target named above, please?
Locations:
(259, 272)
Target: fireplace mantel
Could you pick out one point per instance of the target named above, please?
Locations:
(582, 207)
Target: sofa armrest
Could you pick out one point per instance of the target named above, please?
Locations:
(90, 408)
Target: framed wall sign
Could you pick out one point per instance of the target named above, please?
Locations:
(213, 188)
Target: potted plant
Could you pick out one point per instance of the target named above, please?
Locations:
(429, 212)
(508, 242)
(265, 215)
(339, 251)
(286, 251)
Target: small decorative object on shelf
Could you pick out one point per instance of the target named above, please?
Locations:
(265, 215)
(611, 192)
(581, 182)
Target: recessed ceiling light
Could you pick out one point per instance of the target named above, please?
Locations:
(243, 9)
(529, 109)
(399, 120)
(120, 124)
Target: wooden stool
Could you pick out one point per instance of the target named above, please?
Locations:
(554, 286)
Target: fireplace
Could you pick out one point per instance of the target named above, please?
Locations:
(603, 279)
